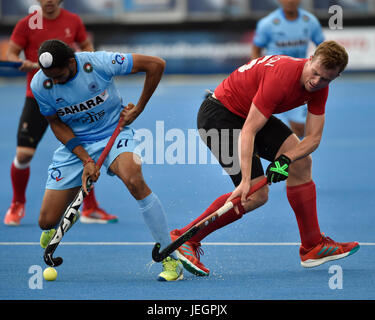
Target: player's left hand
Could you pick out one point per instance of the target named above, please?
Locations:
(278, 170)
(129, 114)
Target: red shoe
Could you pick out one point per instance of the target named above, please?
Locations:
(97, 215)
(326, 250)
(189, 254)
(14, 214)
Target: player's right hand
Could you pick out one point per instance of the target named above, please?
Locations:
(28, 65)
(90, 170)
(241, 191)
(128, 115)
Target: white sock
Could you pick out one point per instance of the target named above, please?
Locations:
(19, 165)
(155, 218)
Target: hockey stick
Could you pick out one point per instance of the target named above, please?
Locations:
(72, 210)
(160, 256)
(10, 64)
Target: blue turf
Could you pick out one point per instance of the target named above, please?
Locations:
(342, 173)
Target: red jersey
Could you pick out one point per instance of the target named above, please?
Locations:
(273, 84)
(67, 27)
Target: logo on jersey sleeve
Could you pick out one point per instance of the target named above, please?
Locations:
(84, 106)
(87, 67)
(48, 84)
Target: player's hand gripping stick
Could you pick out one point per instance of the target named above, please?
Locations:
(159, 256)
(72, 210)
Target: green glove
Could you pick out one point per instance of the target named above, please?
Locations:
(278, 170)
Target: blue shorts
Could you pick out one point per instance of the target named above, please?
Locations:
(297, 114)
(66, 169)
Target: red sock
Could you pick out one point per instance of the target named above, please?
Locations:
(89, 202)
(225, 219)
(19, 178)
(302, 199)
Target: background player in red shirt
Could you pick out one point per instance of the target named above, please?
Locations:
(27, 36)
(246, 102)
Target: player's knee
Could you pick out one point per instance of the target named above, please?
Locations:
(257, 200)
(262, 196)
(24, 155)
(24, 158)
(45, 222)
(301, 168)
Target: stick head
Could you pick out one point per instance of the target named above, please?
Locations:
(51, 261)
(156, 256)
(48, 253)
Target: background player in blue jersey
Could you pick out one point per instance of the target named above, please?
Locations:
(288, 30)
(77, 95)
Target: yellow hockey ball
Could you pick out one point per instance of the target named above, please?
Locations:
(50, 274)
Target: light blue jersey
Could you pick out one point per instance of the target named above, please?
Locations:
(281, 36)
(89, 104)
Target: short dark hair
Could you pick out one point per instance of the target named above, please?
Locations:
(60, 52)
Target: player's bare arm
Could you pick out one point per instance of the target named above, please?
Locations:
(64, 134)
(314, 131)
(256, 52)
(254, 122)
(154, 68)
(13, 54)
(86, 45)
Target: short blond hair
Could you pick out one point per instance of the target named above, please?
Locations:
(332, 55)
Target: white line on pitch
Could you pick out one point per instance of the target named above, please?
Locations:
(92, 243)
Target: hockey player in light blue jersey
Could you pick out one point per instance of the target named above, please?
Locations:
(288, 30)
(77, 95)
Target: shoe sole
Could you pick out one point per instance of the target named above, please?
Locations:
(94, 220)
(181, 276)
(310, 263)
(190, 267)
(12, 224)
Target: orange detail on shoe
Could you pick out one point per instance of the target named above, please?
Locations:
(326, 250)
(97, 215)
(189, 254)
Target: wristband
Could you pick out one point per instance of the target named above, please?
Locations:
(87, 161)
(72, 143)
